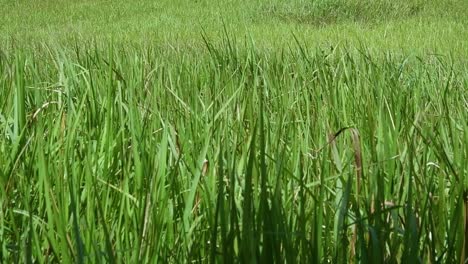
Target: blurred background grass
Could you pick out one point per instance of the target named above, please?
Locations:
(416, 26)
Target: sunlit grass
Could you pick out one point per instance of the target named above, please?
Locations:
(126, 154)
(413, 26)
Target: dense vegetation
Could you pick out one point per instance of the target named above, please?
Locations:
(412, 26)
(230, 148)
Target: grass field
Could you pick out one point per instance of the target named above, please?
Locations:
(416, 26)
(231, 131)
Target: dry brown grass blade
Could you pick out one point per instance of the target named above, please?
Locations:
(205, 167)
(358, 163)
(356, 141)
(355, 138)
(357, 156)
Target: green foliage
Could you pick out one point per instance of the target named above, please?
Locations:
(333, 131)
(233, 154)
(412, 26)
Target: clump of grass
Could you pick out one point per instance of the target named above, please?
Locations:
(329, 12)
(126, 154)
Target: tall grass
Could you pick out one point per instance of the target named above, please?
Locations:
(126, 154)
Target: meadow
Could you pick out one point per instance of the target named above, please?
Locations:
(230, 131)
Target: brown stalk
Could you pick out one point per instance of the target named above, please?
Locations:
(358, 165)
(358, 161)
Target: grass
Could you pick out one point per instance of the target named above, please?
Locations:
(413, 26)
(195, 146)
(103, 153)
